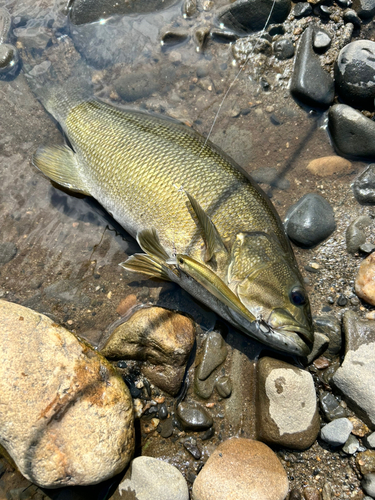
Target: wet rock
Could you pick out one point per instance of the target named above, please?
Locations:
(69, 416)
(204, 388)
(351, 446)
(368, 484)
(330, 326)
(270, 176)
(369, 441)
(190, 445)
(90, 11)
(330, 165)
(126, 304)
(67, 292)
(364, 8)
(8, 251)
(194, 417)
(173, 36)
(321, 40)
(223, 36)
(310, 220)
(242, 469)
(359, 428)
(353, 134)
(283, 49)
(320, 345)
(331, 407)
(366, 461)
(350, 16)
(355, 235)
(355, 73)
(336, 432)
(245, 16)
(214, 353)
(134, 86)
(150, 478)
(224, 387)
(9, 58)
(302, 9)
(208, 434)
(287, 409)
(163, 411)
(160, 338)
(201, 35)
(166, 428)
(364, 185)
(310, 83)
(355, 378)
(189, 8)
(365, 280)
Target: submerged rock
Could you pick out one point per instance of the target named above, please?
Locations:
(365, 280)
(66, 416)
(310, 220)
(353, 134)
(214, 353)
(364, 185)
(330, 165)
(194, 417)
(160, 338)
(242, 469)
(287, 409)
(310, 83)
(150, 478)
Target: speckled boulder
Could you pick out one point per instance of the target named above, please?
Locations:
(287, 409)
(66, 417)
(241, 469)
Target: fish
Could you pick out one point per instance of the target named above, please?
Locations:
(200, 219)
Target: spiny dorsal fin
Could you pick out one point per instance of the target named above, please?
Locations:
(148, 240)
(145, 264)
(214, 244)
(59, 163)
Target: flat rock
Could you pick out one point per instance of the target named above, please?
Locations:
(287, 409)
(355, 378)
(336, 433)
(66, 415)
(355, 73)
(365, 280)
(150, 478)
(364, 185)
(214, 353)
(246, 16)
(242, 469)
(160, 338)
(310, 220)
(310, 83)
(330, 165)
(353, 134)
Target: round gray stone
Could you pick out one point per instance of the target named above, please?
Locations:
(337, 432)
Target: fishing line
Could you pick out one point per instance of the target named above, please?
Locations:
(237, 76)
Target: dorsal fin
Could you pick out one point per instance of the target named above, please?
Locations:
(145, 264)
(148, 240)
(214, 243)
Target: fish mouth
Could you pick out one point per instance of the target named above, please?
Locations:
(299, 333)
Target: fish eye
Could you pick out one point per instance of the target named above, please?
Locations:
(181, 260)
(298, 296)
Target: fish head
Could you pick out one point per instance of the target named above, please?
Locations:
(267, 281)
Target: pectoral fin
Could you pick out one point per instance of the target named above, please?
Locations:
(59, 163)
(148, 240)
(214, 244)
(146, 264)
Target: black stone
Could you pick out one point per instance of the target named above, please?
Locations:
(364, 186)
(331, 408)
(310, 83)
(277, 29)
(208, 434)
(364, 8)
(302, 9)
(192, 448)
(8, 251)
(283, 49)
(355, 74)
(193, 416)
(163, 411)
(122, 364)
(310, 220)
(353, 135)
(350, 16)
(246, 16)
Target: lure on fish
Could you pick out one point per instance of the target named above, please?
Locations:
(201, 221)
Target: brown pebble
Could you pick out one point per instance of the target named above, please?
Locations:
(126, 304)
(359, 428)
(366, 461)
(330, 165)
(365, 280)
(321, 363)
(311, 493)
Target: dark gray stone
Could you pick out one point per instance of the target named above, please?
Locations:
(331, 407)
(310, 83)
(302, 9)
(330, 326)
(320, 345)
(337, 432)
(166, 428)
(353, 135)
(355, 235)
(193, 416)
(163, 411)
(245, 16)
(8, 251)
(190, 444)
(310, 220)
(350, 16)
(321, 40)
(364, 8)
(355, 74)
(364, 185)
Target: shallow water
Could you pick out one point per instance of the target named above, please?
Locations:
(69, 248)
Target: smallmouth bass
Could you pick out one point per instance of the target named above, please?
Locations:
(200, 219)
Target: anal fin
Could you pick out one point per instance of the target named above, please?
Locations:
(146, 264)
(59, 163)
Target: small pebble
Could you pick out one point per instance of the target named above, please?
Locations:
(166, 428)
(369, 441)
(163, 411)
(351, 446)
(321, 40)
(342, 300)
(224, 387)
(283, 49)
(336, 432)
(360, 429)
(193, 416)
(364, 185)
(302, 9)
(331, 407)
(192, 449)
(321, 363)
(367, 247)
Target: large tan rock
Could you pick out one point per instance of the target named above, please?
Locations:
(66, 416)
(241, 469)
(330, 165)
(160, 338)
(365, 280)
